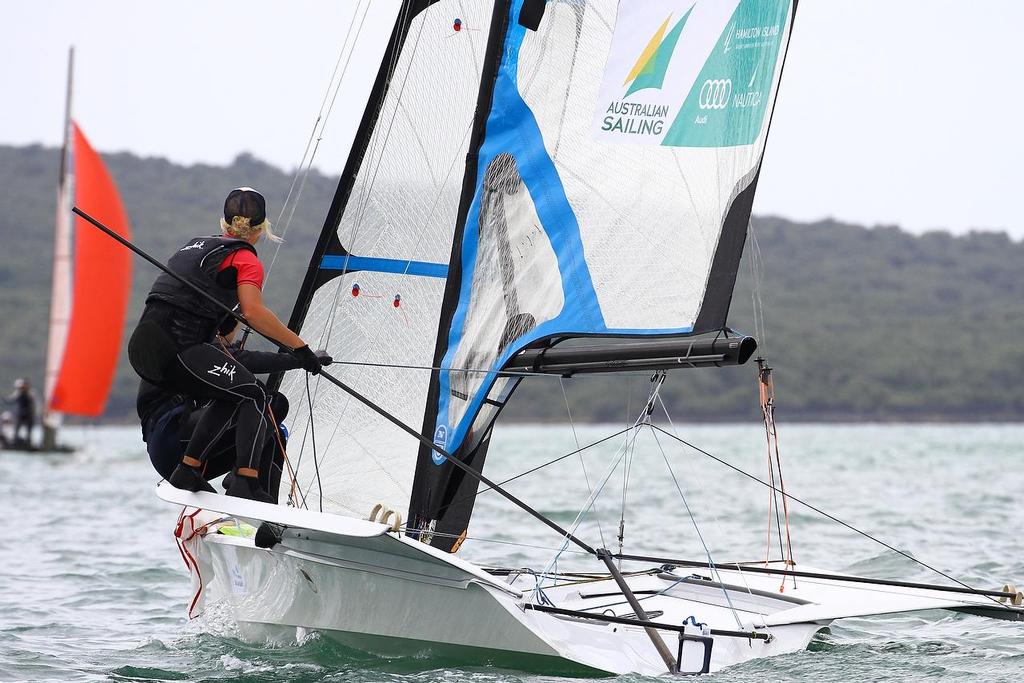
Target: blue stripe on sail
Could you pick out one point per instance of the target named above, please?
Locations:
(512, 128)
(384, 265)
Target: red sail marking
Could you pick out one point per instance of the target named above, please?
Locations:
(102, 282)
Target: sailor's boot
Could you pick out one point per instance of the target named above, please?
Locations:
(246, 484)
(186, 476)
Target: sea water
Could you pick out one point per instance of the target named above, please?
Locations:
(92, 587)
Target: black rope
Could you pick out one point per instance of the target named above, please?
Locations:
(751, 568)
(823, 513)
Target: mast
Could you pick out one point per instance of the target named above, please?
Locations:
(60, 291)
(432, 478)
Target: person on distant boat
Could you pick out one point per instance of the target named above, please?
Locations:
(173, 345)
(24, 401)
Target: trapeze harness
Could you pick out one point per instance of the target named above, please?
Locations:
(172, 347)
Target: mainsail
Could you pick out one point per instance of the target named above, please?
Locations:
(101, 284)
(588, 170)
(91, 285)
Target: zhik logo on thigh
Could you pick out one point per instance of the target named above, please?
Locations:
(225, 370)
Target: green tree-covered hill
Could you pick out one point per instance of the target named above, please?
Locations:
(859, 323)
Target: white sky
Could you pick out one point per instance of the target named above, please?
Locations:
(892, 111)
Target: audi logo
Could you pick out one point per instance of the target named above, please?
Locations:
(714, 94)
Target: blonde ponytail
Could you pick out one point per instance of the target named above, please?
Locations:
(241, 227)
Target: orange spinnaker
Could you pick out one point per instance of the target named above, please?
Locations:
(102, 282)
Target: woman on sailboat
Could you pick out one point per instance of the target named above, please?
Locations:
(169, 419)
(174, 346)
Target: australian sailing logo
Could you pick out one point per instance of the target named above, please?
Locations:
(648, 73)
(691, 73)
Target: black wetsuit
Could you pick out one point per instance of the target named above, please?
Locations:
(24, 414)
(172, 347)
(168, 421)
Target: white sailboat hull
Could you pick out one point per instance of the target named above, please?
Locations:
(375, 591)
(374, 608)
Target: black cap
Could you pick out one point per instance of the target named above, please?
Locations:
(247, 203)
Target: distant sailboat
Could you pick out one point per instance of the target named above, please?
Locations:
(91, 285)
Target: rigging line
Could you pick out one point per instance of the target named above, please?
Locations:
(773, 495)
(823, 513)
(337, 89)
(592, 499)
(334, 432)
(320, 125)
(312, 434)
(365, 195)
(302, 446)
(323, 341)
(583, 464)
(714, 515)
(782, 485)
(626, 469)
(292, 497)
(696, 527)
(455, 462)
(392, 61)
(631, 448)
(366, 453)
(579, 517)
(538, 467)
(756, 264)
(482, 371)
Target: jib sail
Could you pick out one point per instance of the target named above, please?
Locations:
(376, 281)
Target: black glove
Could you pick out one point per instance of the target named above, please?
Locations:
(310, 361)
(325, 358)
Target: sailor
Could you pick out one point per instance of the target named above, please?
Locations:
(174, 346)
(169, 419)
(24, 401)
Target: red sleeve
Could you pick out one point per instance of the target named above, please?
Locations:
(250, 270)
